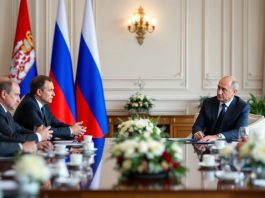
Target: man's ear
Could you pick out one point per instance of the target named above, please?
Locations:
(3, 93)
(38, 92)
(235, 91)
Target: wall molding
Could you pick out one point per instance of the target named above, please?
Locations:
(250, 81)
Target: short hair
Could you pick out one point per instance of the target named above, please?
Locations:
(235, 85)
(6, 84)
(38, 83)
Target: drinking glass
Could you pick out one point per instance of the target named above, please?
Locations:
(238, 164)
(242, 132)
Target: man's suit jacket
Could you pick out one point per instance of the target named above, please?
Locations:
(10, 131)
(9, 149)
(236, 116)
(29, 115)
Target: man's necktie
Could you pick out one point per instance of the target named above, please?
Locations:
(9, 119)
(43, 114)
(220, 119)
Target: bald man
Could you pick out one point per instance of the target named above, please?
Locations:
(221, 116)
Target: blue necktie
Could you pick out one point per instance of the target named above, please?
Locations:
(220, 119)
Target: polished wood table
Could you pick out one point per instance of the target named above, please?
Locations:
(197, 183)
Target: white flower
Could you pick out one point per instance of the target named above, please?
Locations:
(258, 153)
(147, 155)
(127, 164)
(177, 151)
(139, 101)
(138, 126)
(34, 167)
(227, 151)
(142, 147)
(155, 147)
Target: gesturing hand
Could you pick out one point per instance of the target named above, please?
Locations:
(78, 129)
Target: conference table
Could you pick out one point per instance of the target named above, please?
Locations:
(198, 182)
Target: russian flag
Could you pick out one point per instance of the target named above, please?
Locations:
(23, 65)
(61, 73)
(90, 100)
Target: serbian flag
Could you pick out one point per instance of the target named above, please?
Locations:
(23, 65)
(90, 100)
(61, 73)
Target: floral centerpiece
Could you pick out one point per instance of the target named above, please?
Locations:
(226, 155)
(141, 155)
(227, 152)
(254, 153)
(138, 103)
(138, 126)
(31, 172)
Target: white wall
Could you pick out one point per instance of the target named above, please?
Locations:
(196, 42)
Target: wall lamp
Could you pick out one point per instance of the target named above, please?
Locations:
(140, 24)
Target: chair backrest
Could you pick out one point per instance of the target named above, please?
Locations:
(256, 127)
(252, 118)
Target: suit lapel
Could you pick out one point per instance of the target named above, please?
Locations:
(42, 115)
(215, 113)
(8, 118)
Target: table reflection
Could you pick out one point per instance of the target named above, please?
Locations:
(101, 174)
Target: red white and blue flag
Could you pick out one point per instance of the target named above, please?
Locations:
(23, 65)
(63, 105)
(90, 100)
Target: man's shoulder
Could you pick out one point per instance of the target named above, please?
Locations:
(240, 101)
(26, 103)
(211, 100)
(28, 100)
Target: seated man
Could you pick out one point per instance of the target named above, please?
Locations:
(221, 116)
(10, 131)
(12, 148)
(33, 111)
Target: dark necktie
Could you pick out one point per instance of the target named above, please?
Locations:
(220, 119)
(9, 119)
(43, 114)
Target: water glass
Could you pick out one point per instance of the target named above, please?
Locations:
(243, 132)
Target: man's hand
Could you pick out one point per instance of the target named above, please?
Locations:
(45, 145)
(198, 135)
(209, 138)
(78, 129)
(45, 132)
(241, 142)
(29, 147)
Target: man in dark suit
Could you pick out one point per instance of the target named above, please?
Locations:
(12, 148)
(221, 116)
(10, 131)
(33, 111)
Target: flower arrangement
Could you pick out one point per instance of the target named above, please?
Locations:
(138, 126)
(254, 153)
(139, 102)
(141, 155)
(227, 152)
(32, 168)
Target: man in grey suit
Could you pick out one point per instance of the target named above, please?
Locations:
(221, 116)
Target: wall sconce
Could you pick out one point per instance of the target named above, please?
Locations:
(140, 24)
